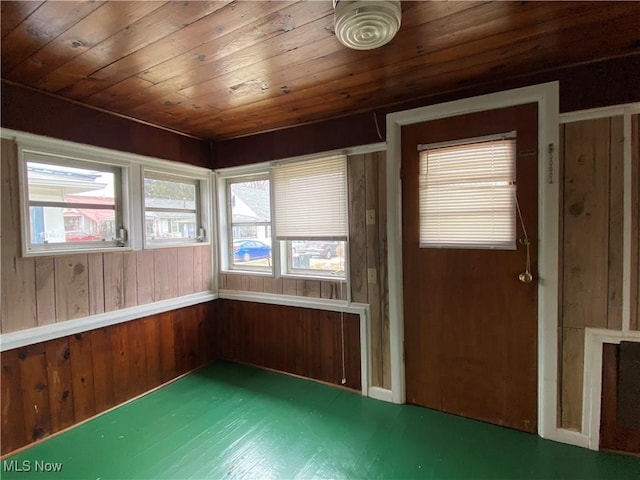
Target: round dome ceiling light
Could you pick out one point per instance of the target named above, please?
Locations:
(366, 24)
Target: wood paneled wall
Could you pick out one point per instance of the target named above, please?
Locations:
(49, 386)
(367, 250)
(28, 110)
(635, 222)
(42, 290)
(301, 341)
(591, 247)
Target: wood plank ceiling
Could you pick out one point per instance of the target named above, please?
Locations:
(224, 69)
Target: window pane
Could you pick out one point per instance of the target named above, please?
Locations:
(169, 194)
(252, 254)
(61, 204)
(161, 225)
(321, 258)
(63, 225)
(58, 183)
(250, 206)
(250, 202)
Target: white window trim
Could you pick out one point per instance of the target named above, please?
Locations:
(278, 254)
(68, 159)
(203, 206)
(132, 166)
(224, 177)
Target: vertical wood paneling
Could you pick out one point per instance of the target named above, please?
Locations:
(198, 281)
(59, 382)
(134, 332)
(586, 200)
(308, 288)
(82, 376)
(45, 291)
(96, 283)
(295, 340)
(206, 268)
(12, 434)
(52, 385)
(591, 247)
(119, 346)
(152, 352)
(146, 275)
(167, 347)
(72, 287)
(256, 284)
(289, 286)
(372, 253)
(383, 273)
(113, 271)
(102, 360)
(635, 222)
(35, 396)
(185, 270)
(357, 228)
(273, 285)
(130, 276)
(572, 376)
(165, 261)
(616, 226)
(18, 309)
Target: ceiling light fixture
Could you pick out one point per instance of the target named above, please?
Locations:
(366, 24)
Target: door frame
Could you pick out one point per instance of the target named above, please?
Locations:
(546, 96)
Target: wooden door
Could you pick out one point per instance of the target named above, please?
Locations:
(470, 323)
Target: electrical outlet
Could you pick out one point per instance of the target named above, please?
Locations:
(372, 276)
(371, 217)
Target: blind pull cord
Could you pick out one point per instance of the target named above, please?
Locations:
(524, 277)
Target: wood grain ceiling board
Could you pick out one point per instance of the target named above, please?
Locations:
(223, 69)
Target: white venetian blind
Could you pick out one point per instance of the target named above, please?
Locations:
(467, 195)
(310, 199)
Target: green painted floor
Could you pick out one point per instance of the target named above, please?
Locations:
(233, 421)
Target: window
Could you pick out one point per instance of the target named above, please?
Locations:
(311, 215)
(78, 197)
(171, 210)
(249, 208)
(72, 204)
(467, 194)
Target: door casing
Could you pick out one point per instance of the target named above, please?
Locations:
(547, 98)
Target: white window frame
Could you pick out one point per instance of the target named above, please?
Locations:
(202, 211)
(67, 155)
(279, 254)
(226, 253)
(132, 167)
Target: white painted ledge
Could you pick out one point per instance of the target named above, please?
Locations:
(70, 327)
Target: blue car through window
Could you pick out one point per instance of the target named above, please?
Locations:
(247, 250)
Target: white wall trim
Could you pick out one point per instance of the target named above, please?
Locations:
(361, 309)
(380, 393)
(43, 333)
(547, 97)
(572, 437)
(602, 112)
(594, 339)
